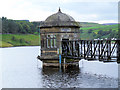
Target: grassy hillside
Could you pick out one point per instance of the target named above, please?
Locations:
(89, 24)
(9, 40)
(88, 31)
(102, 27)
(99, 31)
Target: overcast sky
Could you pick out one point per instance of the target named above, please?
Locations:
(101, 11)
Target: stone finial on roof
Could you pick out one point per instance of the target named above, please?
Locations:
(59, 10)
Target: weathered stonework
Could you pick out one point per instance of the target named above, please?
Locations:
(53, 30)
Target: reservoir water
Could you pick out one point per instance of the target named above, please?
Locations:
(21, 69)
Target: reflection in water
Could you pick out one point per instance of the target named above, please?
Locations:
(54, 77)
(22, 70)
(74, 78)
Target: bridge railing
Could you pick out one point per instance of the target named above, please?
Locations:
(102, 50)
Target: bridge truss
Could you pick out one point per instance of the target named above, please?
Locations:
(102, 50)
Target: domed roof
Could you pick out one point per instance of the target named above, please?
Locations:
(59, 19)
(59, 16)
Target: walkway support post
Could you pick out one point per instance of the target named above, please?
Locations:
(64, 65)
(118, 51)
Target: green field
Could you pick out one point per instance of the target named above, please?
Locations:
(98, 31)
(88, 31)
(10, 40)
(89, 24)
(102, 27)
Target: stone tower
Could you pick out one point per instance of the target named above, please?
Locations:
(53, 30)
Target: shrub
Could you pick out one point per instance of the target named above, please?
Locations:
(22, 40)
(13, 38)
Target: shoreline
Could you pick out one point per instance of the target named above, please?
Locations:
(17, 40)
(19, 46)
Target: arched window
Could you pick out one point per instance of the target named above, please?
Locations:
(51, 41)
(48, 41)
(55, 41)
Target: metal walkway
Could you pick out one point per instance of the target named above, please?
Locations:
(102, 50)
